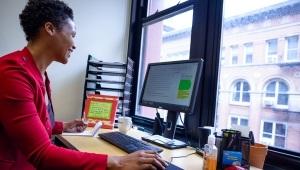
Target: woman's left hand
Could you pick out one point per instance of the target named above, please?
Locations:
(76, 125)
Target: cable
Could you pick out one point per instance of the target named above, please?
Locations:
(185, 133)
(183, 156)
(159, 120)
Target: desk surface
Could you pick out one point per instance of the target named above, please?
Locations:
(97, 145)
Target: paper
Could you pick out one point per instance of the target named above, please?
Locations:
(91, 132)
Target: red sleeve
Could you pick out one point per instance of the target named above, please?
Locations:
(58, 128)
(21, 122)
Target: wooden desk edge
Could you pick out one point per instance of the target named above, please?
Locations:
(61, 141)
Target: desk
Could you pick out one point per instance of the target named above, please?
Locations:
(96, 145)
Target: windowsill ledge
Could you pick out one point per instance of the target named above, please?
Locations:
(240, 103)
(278, 108)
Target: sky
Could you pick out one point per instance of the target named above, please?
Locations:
(230, 8)
(236, 7)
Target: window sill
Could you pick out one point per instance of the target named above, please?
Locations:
(277, 107)
(240, 103)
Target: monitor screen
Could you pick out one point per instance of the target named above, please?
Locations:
(172, 85)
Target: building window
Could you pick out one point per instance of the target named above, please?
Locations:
(240, 92)
(248, 53)
(222, 55)
(234, 55)
(291, 53)
(276, 94)
(237, 120)
(272, 51)
(273, 133)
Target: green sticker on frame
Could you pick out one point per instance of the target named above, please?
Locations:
(100, 110)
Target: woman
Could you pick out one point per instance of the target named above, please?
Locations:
(26, 114)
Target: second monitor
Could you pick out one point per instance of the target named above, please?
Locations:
(172, 86)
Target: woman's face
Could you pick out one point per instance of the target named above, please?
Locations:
(63, 42)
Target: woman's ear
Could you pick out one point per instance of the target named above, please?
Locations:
(50, 28)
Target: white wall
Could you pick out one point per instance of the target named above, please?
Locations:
(102, 31)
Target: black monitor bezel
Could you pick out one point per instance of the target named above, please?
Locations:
(173, 107)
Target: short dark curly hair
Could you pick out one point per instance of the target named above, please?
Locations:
(37, 12)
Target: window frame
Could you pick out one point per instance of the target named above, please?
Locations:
(274, 57)
(206, 30)
(273, 133)
(241, 93)
(276, 93)
(239, 117)
(207, 15)
(286, 49)
(234, 54)
(246, 52)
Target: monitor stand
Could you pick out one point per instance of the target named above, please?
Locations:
(167, 140)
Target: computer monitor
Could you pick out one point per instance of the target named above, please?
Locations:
(172, 86)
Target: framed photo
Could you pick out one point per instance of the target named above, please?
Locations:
(101, 108)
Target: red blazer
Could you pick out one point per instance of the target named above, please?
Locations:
(25, 127)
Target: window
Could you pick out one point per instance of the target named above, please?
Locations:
(272, 51)
(222, 58)
(240, 92)
(273, 133)
(276, 92)
(248, 50)
(161, 44)
(155, 6)
(272, 29)
(237, 120)
(234, 55)
(292, 47)
(266, 25)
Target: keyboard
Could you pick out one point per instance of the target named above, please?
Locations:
(127, 143)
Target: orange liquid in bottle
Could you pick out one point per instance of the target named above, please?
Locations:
(210, 163)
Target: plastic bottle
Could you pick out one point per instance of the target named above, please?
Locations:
(210, 153)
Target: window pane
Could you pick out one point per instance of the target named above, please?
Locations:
(248, 53)
(283, 87)
(234, 60)
(236, 91)
(292, 42)
(236, 96)
(234, 55)
(244, 122)
(272, 46)
(156, 6)
(271, 90)
(292, 48)
(234, 121)
(292, 55)
(248, 58)
(246, 97)
(268, 127)
(160, 44)
(272, 27)
(279, 141)
(222, 56)
(280, 129)
(238, 86)
(267, 135)
(282, 99)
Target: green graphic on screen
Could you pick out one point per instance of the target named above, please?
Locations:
(184, 89)
(100, 110)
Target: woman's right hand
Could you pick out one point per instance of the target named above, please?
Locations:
(140, 160)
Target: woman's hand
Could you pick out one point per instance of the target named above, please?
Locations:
(140, 160)
(76, 125)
